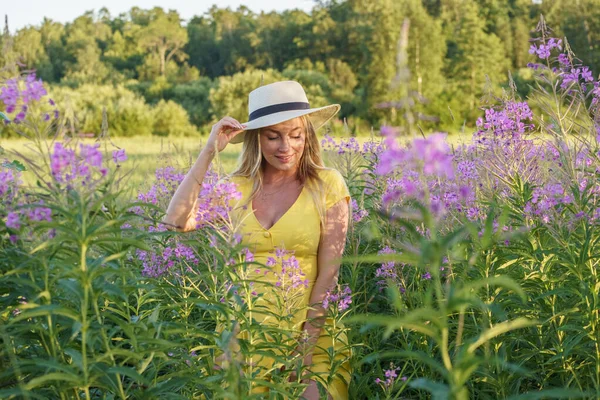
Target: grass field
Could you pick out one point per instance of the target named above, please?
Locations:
(146, 154)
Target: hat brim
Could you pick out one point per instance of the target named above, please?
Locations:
(318, 117)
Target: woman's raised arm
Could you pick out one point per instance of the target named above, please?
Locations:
(181, 213)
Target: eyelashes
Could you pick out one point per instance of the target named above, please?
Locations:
(292, 137)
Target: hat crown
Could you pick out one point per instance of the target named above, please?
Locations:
(276, 93)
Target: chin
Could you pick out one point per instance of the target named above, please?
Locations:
(275, 163)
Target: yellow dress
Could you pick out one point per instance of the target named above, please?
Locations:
(297, 231)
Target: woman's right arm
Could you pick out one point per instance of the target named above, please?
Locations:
(181, 212)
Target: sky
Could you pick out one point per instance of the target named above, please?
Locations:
(32, 12)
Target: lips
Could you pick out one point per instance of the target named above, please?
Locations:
(285, 159)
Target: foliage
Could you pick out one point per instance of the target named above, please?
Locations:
(468, 272)
(349, 47)
(230, 94)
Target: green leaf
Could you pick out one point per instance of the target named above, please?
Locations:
(439, 391)
(558, 393)
(54, 376)
(500, 329)
(15, 165)
(42, 311)
(4, 117)
(499, 280)
(129, 372)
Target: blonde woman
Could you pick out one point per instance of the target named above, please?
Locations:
(292, 200)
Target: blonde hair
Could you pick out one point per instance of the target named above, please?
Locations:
(251, 165)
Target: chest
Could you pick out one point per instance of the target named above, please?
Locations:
(269, 208)
(297, 229)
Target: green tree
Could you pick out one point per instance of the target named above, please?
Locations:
(230, 96)
(474, 55)
(82, 42)
(579, 21)
(194, 97)
(52, 39)
(377, 26)
(164, 39)
(27, 44)
(8, 57)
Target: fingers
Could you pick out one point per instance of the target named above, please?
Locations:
(232, 123)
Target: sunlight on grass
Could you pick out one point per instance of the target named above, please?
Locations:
(147, 153)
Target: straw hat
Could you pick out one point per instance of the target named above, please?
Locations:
(281, 101)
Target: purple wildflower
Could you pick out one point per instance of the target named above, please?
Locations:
(340, 299)
(119, 156)
(13, 220)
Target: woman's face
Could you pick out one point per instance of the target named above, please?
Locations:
(283, 144)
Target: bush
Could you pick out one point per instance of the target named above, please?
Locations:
(128, 114)
(171, 119)
(194, 97)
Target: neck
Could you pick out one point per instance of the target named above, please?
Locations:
(275, 176)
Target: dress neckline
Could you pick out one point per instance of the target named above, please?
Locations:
(282, 216)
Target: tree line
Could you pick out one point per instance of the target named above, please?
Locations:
(144, 65)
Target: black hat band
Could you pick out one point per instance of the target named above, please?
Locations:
(275, 108)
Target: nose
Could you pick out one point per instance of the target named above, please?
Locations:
(285, 144)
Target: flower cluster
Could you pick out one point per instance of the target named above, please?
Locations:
(215, 200)
(513, 120)
(340, 300)
(544, 49)
(10, 180)
(167, 181)
(358, 213)
(349, 145)
(157, 264)
(388, 271)
(290, 276)
(546, 198)
(38, 213)
(431, 154)
(18, 94)
(391, 376)
(69, 167)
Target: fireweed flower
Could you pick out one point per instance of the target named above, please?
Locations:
(358, 213)
(543, 50)
(40, 214)
(34, 89)
(214, 200)
(16, 95)
(119, 156)
(10, 181)
(340, 300)
(388, 271)
(248, 255)
(290, 277)
(13, 220)
(158, 264)
(508, 123)
(69, 167)
(434, 152)
(391, 376)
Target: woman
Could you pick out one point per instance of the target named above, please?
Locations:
(289, 200)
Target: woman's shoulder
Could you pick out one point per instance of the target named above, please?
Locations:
(330, 175)
(334, 186)
(238, 179)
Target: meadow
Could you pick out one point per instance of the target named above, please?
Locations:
(470, 268)
(147, 153)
